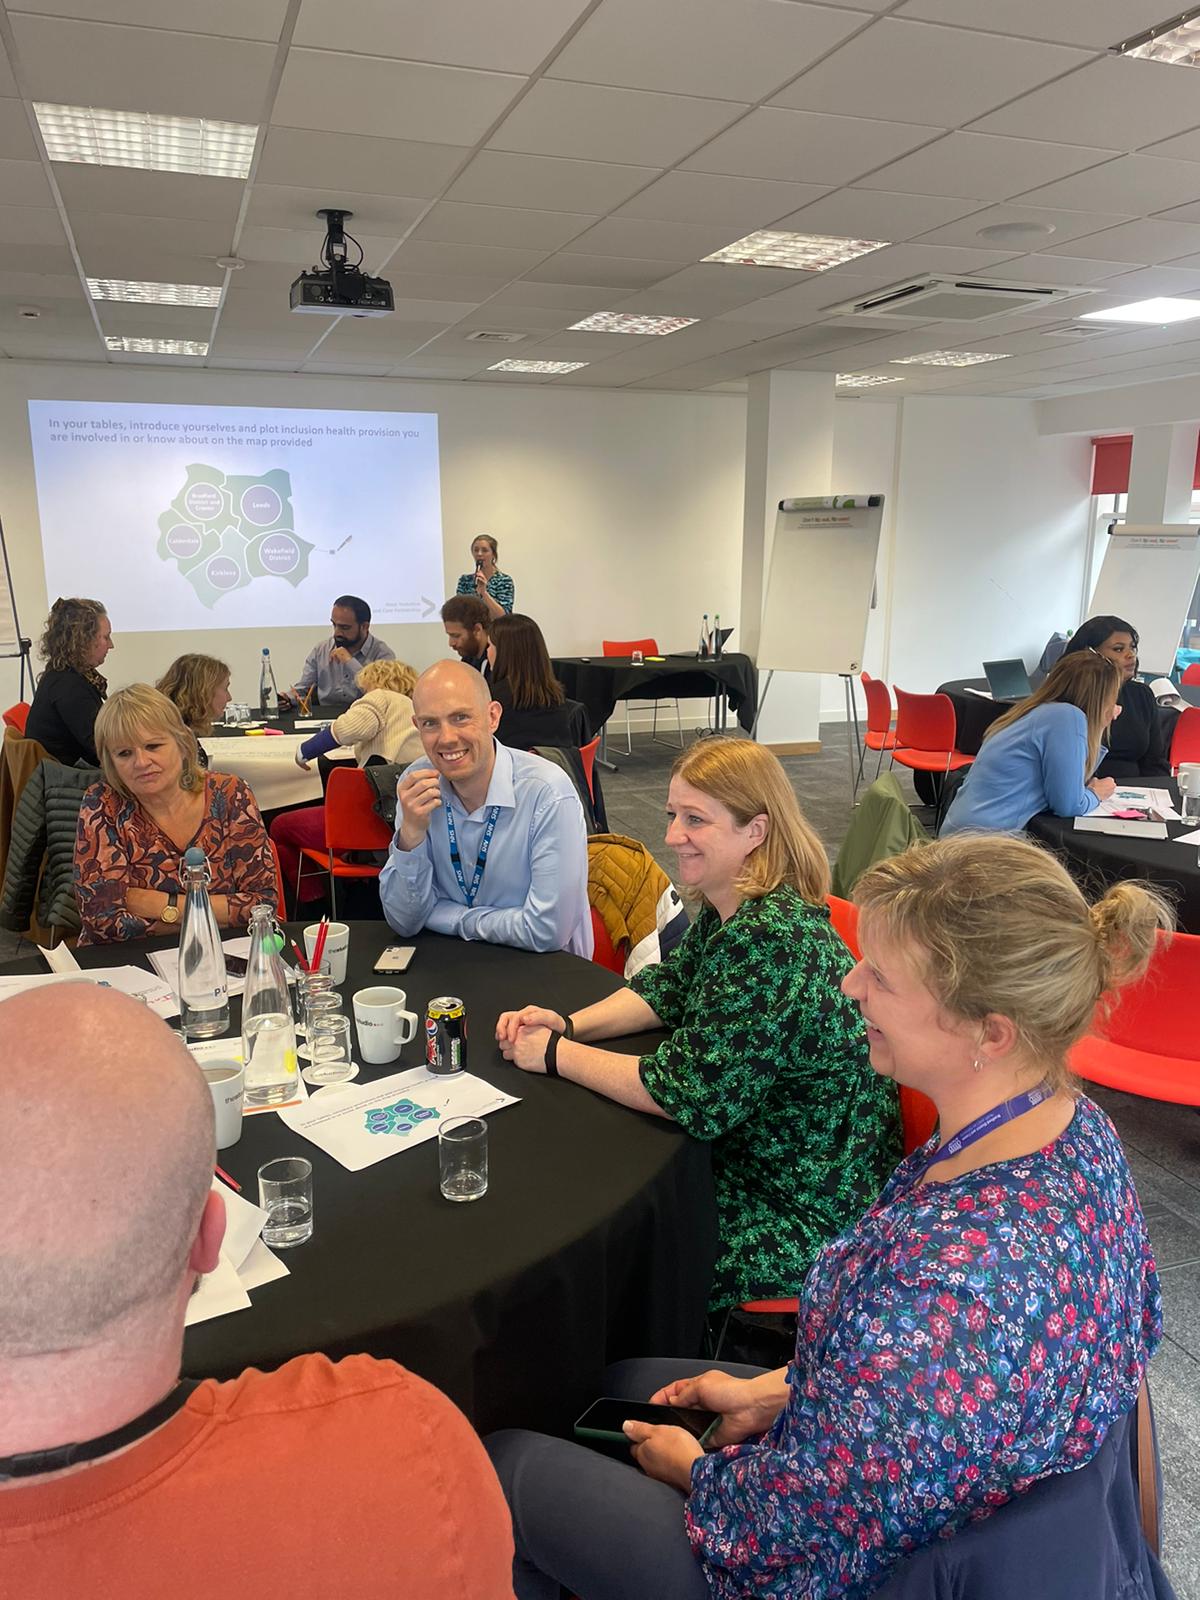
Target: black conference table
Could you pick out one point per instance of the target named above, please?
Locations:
(595, 1241)
(1098, 860)
(601, 681)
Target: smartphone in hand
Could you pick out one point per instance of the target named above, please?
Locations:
(603, 1419)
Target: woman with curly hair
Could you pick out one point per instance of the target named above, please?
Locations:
(71, 690)
(199, 686)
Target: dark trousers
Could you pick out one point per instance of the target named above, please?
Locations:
(594, 1525)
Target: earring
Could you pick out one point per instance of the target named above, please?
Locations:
(977, 1064)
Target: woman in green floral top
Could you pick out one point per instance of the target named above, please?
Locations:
(765, 1057)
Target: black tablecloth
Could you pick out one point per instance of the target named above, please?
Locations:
(1100, 859)
(603, 680)
(973, 714)
(595, 1241)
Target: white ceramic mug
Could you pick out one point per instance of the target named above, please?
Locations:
(227, 1084)
(1188, 777)
(383, 1024)
(337, 948)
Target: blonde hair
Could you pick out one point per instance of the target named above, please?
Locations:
(397, 676)
(139, 709)
(191, 681)
(995, 924)
(749, 782)
(1082, 679)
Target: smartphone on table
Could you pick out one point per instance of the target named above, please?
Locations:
(603, 1419)
(395, 958)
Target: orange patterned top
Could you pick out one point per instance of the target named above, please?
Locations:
(118, 848)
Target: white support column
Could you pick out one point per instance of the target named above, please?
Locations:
(789, 451)
(1161, 472)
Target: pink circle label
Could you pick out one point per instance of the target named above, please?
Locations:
(280, 553)
(183, 540)
(223, 573)
(204, 500)
(261, 505)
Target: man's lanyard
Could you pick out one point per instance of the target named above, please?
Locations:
(991, 1120)
(31, 1463)
(481, 862)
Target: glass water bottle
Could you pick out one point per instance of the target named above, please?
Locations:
(268, 1032)
(203, 985)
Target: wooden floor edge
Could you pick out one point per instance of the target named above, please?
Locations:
(804, 747)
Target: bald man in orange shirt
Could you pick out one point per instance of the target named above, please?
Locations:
(351, 1478)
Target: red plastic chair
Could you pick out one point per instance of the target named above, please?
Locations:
(844, 916)
(17, 716)
(1191, 674)
(1185, 741)
(604, 952)
(648, 647)
(879, 734)
(587, 754)
(351, 823)
(1148, 1044)
(926, 729)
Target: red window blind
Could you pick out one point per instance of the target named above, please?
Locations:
(1110, 464)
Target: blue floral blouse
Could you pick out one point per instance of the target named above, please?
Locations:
(964, 1339)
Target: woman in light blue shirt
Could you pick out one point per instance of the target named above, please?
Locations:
(1038, 756)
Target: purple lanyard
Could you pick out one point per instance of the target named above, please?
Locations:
(990, 1120)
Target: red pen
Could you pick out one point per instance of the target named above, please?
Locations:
(225, 1178)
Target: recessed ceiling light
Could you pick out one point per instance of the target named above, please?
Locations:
(537, 366)
(1176, 42)
(1016, 232)
(154, 294)
(802, 252)
(630, 322)
(146, 139)
(947, 358)
(157, 347)
(865, 380)
(1153, 311)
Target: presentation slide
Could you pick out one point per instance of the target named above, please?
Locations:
(189, 517)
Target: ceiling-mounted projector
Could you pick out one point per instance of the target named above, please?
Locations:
(340, 288)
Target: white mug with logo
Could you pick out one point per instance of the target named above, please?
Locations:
(337, 948)
(383, 1024)
(1188, 779)
(227, 1084)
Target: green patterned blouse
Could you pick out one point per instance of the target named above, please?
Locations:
(767, 1059)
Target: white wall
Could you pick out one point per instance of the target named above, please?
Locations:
(618, 514)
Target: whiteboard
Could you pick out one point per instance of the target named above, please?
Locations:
(1148, 577)
(819, 587)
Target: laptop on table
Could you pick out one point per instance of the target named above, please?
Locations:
(1008, 680)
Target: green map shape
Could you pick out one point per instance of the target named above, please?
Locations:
(219, 544)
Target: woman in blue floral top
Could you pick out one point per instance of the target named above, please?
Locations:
(982, 1326)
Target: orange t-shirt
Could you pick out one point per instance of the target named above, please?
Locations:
(355, 1478)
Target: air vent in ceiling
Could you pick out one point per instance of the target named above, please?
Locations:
(938, 299)
(1072, 331)
(491, 336)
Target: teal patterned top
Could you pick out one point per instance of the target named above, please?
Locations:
(500, 586)
(767, 1059)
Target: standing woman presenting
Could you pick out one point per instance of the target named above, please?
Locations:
(495, 588)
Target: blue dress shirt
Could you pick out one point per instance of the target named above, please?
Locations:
(534, 891)
(1037, 764)
(335, 679)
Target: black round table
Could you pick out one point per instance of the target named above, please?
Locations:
(595, 1241)
(600, 681)
(1100, 859)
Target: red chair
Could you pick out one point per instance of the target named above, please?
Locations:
(587, 754)
(1191, 674)
(648, 647)
(351, 823)
(17, 716)
(879, 735)
(1148, 1044)
(604, 952)
(925, 733)
(844, 916)
(1185, 741)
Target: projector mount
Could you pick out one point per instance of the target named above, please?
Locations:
(333, 248)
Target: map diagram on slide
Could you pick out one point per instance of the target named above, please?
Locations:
(224, 531)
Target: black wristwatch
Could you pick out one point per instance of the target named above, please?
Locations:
(170, 912)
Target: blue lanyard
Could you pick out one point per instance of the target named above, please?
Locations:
(481, 861)
(989, 1121)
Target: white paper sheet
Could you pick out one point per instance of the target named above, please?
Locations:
(218, 1292)
(1188, 838)
(60, 959)
(245, 1262)
(310, 726)
(1136, 797)
(1096, 822)
(408, 1108)
(134, 981)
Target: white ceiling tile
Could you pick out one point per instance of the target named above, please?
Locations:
(16, 139)
(728, 49)
(982, 166)
(229, 19)
(912, 72)
(39, 288)
(1134, 184)
(547, 183)
(1174, 279)
(369, 338)
(1184, 147)
(301, 246)
(248, 363)
(422, 286)
(142, 69)
(742, 203)
(463, 260)
(98, 232)
(304, 157)
(1095, 24)
(349, 369)
(571, 298)
(1066, 225)
(436, 313)
(806, 146)
(718, 288)
(284, 206)
(1154, 103)
(595, 123)
(459, 33)
(30, 225)
(536, 321)
(801, 302)
(511, 226)
(1146, 242)
(614, 272)
(8, 84)
(390, 99)
(873, 214)
(1056, 270)
(906, 260)
(652, 241)
(127, 191)
(55, 261)
(23, 183)
(1190, 213)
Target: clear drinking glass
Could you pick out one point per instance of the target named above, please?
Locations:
(329, 1050)
(637, 659)
(285, 1192)
(462, 1158)
(316, 1008)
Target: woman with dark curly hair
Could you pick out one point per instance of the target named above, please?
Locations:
(199, 686)
(71, 690)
